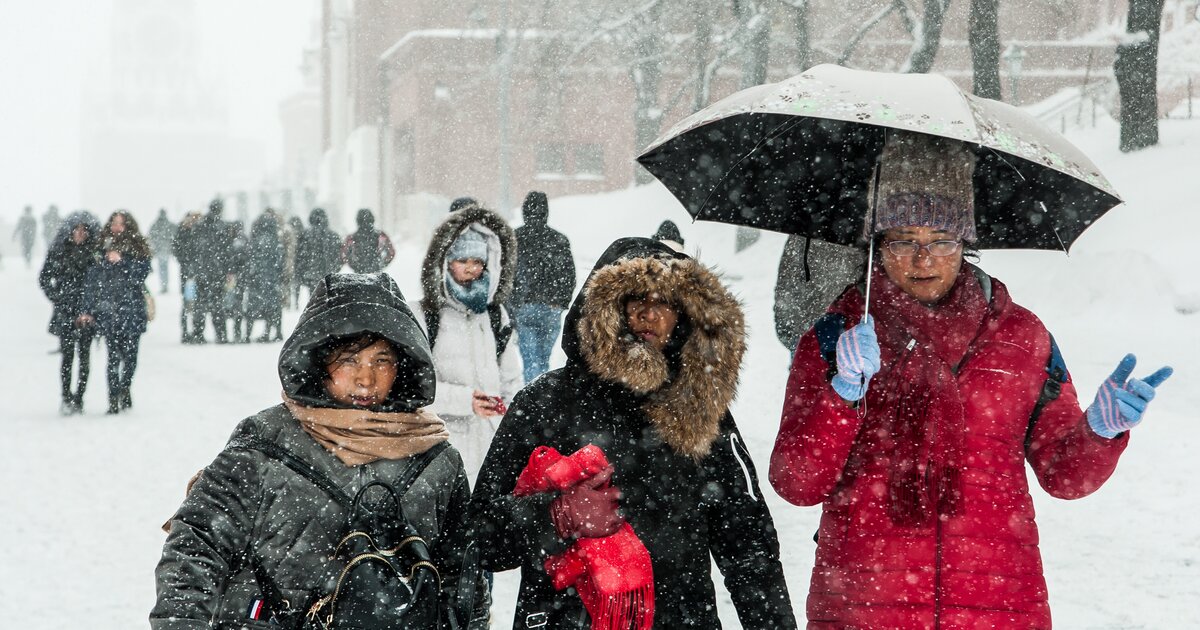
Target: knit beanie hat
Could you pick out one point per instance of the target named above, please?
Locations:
(924, 181)
(470, 244)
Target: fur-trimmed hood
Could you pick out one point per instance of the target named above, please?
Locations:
(433, 269)
(687, 394)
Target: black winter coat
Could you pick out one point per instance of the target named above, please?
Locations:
(262, 273)
(114, 295)
(690, 489)
(318, 253)
(213, 249)
(187, 250)
(545, 265)
(245, 503)
(63, 274)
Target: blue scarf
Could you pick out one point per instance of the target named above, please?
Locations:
(475, 297)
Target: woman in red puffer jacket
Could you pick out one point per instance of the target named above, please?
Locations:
(915, 438)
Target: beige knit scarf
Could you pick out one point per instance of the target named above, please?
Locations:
(361, 436)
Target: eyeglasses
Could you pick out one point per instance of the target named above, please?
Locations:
(908, 249)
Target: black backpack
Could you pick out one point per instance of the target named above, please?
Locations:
(381, 574)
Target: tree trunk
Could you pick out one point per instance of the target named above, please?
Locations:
(803, 44)
(1136, 70)
(647, 74)
(756, 25)
(983, 35)
(702, 17)
(925, 49)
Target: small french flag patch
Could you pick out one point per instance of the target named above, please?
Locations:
(255, 610)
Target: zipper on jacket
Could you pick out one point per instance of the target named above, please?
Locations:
(937, 572)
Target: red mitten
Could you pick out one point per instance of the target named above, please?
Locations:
(588, 509)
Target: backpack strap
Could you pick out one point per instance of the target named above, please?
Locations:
(274, 451)
(1056, 375)
(828, 328)
(500, 332)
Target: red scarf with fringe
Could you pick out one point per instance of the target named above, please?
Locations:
(915, 413)
(612, 575)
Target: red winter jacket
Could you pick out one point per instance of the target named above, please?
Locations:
(979, 568)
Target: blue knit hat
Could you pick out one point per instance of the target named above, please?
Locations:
(470, 243)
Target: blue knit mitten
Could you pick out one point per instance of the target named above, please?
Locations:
(857, 360)
(1121, 400)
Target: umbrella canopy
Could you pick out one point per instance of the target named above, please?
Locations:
(797, 156)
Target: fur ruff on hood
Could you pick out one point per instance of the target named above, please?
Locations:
(433, 269)
(687, 408)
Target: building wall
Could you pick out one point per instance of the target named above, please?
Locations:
(430, 74)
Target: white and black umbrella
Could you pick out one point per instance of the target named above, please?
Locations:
(796, 157)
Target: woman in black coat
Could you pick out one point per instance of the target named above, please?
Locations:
(654, 397)
(251, 545)
(114, 301)
(74, 249)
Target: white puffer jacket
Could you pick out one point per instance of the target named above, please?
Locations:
(464, 350)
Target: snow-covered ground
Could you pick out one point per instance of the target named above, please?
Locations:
(82, 498)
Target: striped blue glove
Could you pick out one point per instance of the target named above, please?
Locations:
(1121, 400)
(857, 360)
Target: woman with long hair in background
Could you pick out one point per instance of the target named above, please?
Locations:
(114, 301)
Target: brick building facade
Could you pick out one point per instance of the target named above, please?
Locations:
(424, 101)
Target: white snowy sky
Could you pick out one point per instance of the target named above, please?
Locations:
(45, 49)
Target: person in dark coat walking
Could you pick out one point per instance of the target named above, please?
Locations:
(367, 250)
(213, 265)
(289, 237)
(654, 344)
(233, 300)
(71, 254)
(162, 236)
(319, 252)
(26, 234)
(544, 284)
(114, 301)
(356, 373)
(668, 233)
(186, 246)
(262, 278)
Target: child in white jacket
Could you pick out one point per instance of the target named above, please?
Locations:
(467, 275)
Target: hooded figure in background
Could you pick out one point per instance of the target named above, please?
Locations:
(262, 278)
(668, 234)
(71, 253)
(812, 273)
(367, 250)
(467, 276)
(319, 252)
(26, 233)
(654, 345)
(162, 238)
(213, 264)
(356, 374)
(544, 284)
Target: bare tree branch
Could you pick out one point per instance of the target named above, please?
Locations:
(866, 28)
